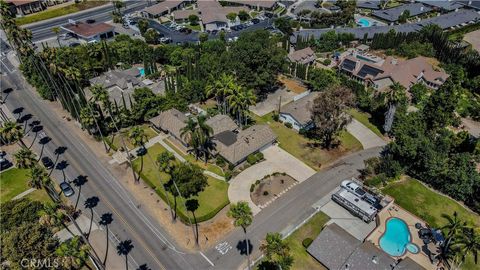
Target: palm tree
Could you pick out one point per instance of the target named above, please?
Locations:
(88, 119)
(170, 187)
(79, 182)
(56, 30)
(38, 177)
(468, 243)
(394, 95)
(11, 132)
(454, 226)
(138, 138)
(239, 103)
(25, 158)
(277, 251)
(192, 206)
(74, 253)
(189, 135)
(205, 133)
(221, 88)
(165, 161)
(123, 248)
(243, 216)
(105, 220)
(91, 203)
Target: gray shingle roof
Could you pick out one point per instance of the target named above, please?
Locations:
(171, 120)
(408, 264)
(163, 7)
(369, 4)
(392, 14)
(443, 4)
(220, 123)
(300, 109)
(368, 256)
(333, 246)
(444, 21)
(303, 56)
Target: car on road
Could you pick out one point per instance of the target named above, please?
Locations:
(90, 21)
(66, 189)
(4, 162)
(165, 40)
(47, 162)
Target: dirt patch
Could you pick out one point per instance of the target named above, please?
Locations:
(293, 85)
(270, 187)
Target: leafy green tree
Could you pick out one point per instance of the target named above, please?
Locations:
(395, 96)
(143, 26)
(57, 30)
(165, 161)
(329, 114)
(25, 158)
(243, 15)
(404, 16)
(321, 79)
(19, 211)
(439, 111)
(151, 36)
(284, 24)
(11, 132)
(193, 19)
(243, 217)
(277, 251)
(419, 93)
(73, 253)
(221, 89)
(202, 37)
(232, 16)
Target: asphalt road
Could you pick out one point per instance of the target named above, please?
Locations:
(43, 30)
(152, 245)
(289, 210)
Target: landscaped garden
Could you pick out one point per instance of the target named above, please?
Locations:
(297, 240)
(117, 140)
(306, 149)
(269, 187)
(59, 11)
(211, 200)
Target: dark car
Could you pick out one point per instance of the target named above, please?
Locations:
(255, 21)
(90, 21)
(74, 44)
(5, 164)
(214, 32)
(66, 189)
(47, 162)
(234, 28)
(269, 28)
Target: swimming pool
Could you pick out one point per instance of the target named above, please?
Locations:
(364, 22)
(142, 72)
(396, 239)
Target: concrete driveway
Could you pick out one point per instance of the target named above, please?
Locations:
(276, 160)
(367, 138)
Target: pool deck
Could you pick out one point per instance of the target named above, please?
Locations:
(393, 210)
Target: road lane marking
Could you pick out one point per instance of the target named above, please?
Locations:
(206, 258)
(223, 247)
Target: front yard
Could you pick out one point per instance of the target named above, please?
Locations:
(213, 199)
(306, 149)
(311, 229)
(117, 140)
(15, 181)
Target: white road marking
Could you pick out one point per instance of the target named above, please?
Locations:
(206, 258)
(223, 247)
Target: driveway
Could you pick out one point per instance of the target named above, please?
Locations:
(367, 138)
(271, 102)
(276, 160)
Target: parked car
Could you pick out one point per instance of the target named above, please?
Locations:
(47, 162)
(353, 188)
(4, 162)
(90, 21)
(214, 32)
(165, 40)
(255, 21)
(66, 189)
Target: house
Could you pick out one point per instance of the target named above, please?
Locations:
(24, 7)
(442, 5)
(269, 5)
(235, 147)
(214, 16)
(382, 74)
(172, 122)
(221, 123)
(304, 56)
(371, 4)
(119, 84)
(298, 112)
(90, 32)
(336, 249)
(393, 14)
(163, 8)
(183, 15)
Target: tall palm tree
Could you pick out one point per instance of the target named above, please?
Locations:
(394, 95)
(79, 182)
(105, 220)
(277, 251)
(453, 227)
(56, 30)
(38, 177)
(468, 243)
(25, 158)
(221, 88)
(91, 203)
(239, 103)
(170, 187)
(123, 249)
(74, 253)
(189, 135)
(165, 161)
(204, 136)
(88, 118)
(243, 217)
(137, 137)
(192, 206)
(11, 132)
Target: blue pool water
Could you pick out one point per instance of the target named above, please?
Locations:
(364, 22)
(396, 238)
(142, 72)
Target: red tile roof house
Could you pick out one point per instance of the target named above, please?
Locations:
(383, 74)
(90, 32)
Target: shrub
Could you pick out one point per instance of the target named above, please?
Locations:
(265, 193)
(220, 161)
(228, 175)
(307, 242)
(252, 159)
(231, 167)
(376, 181)
(275, 117)
(288, 125)
(252, 187)
(284, 173)
(257, 182)
(259, 156)
(327, 62)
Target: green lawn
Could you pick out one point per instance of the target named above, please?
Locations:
(304, 148)
(209, 167)
(117, 140)
(12, 183)
(427, 204)
(364, 118)
(311, 229)
(211, 200)
(193, 27)
(56, 12)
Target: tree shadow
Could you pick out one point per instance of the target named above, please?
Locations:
(33, 124)
(60, 150)
(43, 141)
(18, 111)
(242, 247)
(144, 267)
(24, 120)
(36, 130)
(61, 166)
(78, 182)
(7, 93)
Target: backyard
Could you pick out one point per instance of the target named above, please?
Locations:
(53, 12)
(211, 200)
(15, 181)
(117, 140)
(311, 229)
(306, 149)
(429, 205)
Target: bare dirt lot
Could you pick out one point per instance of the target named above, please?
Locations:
(270, 187)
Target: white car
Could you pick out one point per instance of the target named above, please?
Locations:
(353, 188)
